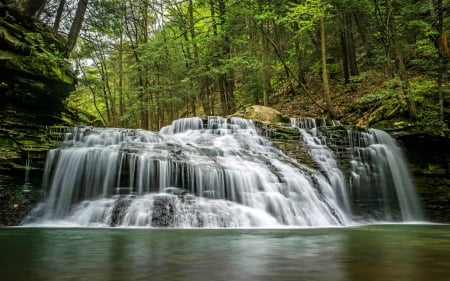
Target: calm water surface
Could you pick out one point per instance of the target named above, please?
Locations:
(376, 252)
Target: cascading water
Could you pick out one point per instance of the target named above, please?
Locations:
(193, 173)
(324, 156)
(379, 185)
(380, 181)
(26, 183)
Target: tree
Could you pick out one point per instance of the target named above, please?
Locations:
(75, 28)
(160, 60)
(394, 50)
(443, 54)
(307, 16)
(350, 16)
(326, 85)
(58, 16)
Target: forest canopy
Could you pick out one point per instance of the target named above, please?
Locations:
(144, 63)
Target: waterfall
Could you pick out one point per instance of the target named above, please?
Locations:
(26, 183)
(324, 156)
(214, 172)
(380, 180)
(379, 186)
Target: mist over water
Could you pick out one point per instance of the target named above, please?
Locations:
(220, 172)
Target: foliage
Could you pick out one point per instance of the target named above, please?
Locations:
(145, 63)
(42, 50)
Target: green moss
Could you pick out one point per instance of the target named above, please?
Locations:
(39, 68)
(27, 142)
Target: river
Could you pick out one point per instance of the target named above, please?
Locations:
(371, 252)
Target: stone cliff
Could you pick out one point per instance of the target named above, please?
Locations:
(34, 82)
(429, 162)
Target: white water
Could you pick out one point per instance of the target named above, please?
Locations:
(193, 173)
(380, 176)
(323, 155)
(380, 185)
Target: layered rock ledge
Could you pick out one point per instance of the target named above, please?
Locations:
(34, 82)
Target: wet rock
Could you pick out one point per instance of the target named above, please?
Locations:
(119, 210)
(429, 161)
(163, 211)
(15, 203)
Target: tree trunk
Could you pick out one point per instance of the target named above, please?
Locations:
(75, 28)
(444, 55)
(123, 123)
(351, 45)
(348, 46)
(326, 86)
(226, 80)
(400, 64)
(345, 57)
(58, 16)
(266, 68)
(195, 53)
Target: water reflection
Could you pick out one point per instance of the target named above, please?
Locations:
(289, 256)
(397, 253)
(364, 253)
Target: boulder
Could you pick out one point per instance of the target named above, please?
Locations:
(263, 114)
(164, 210)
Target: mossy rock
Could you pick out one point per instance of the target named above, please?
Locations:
(263, 114)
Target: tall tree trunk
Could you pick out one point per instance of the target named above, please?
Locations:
(444, 56)
(226, 80)
(351, 45)
(262, 53)
(123, 123)
(110, 95)
(212, 85)
(195, 52)
(266, 68)
(326, 86)
(75, 28)
(345, 57)
(401, 69)
(58, 16)
(348, 46)
(300, 70)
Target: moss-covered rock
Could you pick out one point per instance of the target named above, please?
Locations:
(33, 71)
(34, 82)
(263, 114)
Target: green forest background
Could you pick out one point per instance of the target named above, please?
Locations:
(142, 64)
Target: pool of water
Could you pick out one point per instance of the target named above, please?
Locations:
(373, 252)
